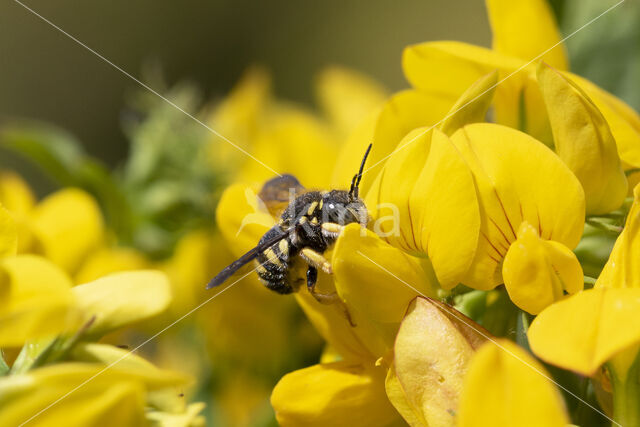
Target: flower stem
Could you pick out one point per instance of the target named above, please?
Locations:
(626, 396)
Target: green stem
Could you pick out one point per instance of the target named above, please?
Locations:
(626, 396)
(4, 368)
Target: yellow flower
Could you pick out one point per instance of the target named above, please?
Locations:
(601, 325)
(65, 227)
(523, 31)
(464, 201)
(37, 300)
(83, 392)
(505, 386)
(268, 128)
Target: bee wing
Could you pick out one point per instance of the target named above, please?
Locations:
(277, 192)
(229, 270)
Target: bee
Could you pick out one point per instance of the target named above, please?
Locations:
(308, 226)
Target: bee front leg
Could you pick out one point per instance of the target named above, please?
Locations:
(332, 298)
(316, 259)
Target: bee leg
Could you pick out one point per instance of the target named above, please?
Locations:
(316, 259)
(332, 298)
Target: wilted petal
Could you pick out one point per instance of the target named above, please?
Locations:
(537, 272)
(336, 394)
(398, 398)
(526, 29)
(583, 141)
(68, 225)
(37, 301)
(431, 354)
(622, 269)
(584, 331)
(517, 179)
(120, 299)
(507, 387)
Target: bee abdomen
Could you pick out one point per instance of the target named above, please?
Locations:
(273, 263)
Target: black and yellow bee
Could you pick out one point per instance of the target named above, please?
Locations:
(308, 226)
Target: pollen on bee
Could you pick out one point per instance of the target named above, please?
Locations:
(320, 204)
(283, 246)
(312, 207)
(273, 258)
(314, 221)
(332, 227)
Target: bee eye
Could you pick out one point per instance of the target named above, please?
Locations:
(332, 206)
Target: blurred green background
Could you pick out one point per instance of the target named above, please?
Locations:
(47, 76)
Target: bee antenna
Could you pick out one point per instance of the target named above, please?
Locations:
(355, 182)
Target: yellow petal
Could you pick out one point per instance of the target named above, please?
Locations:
(537, 272)
(167, 399)
(445, 211)
(15, 193)
(584, 331)
(623, 121)
(398, 398)
(517, 179)
(424, 202)
(68, 225)
(17, 198)
(119, 299)
(431, 359)
(8, 234)
(450, 68)
(238, 117)
(403, 112)
(198, 256)
(81, 394)
(347, 96)
(110, 260)
(296, 133)
(621, 269)
(472, 105)
(583, 141)
(37, 301)
(378, 281)
(507, 387)
(527, 29)
(242, 218)
(336, 394)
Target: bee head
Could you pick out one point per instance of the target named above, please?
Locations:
(355, 182)
(339, 207)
